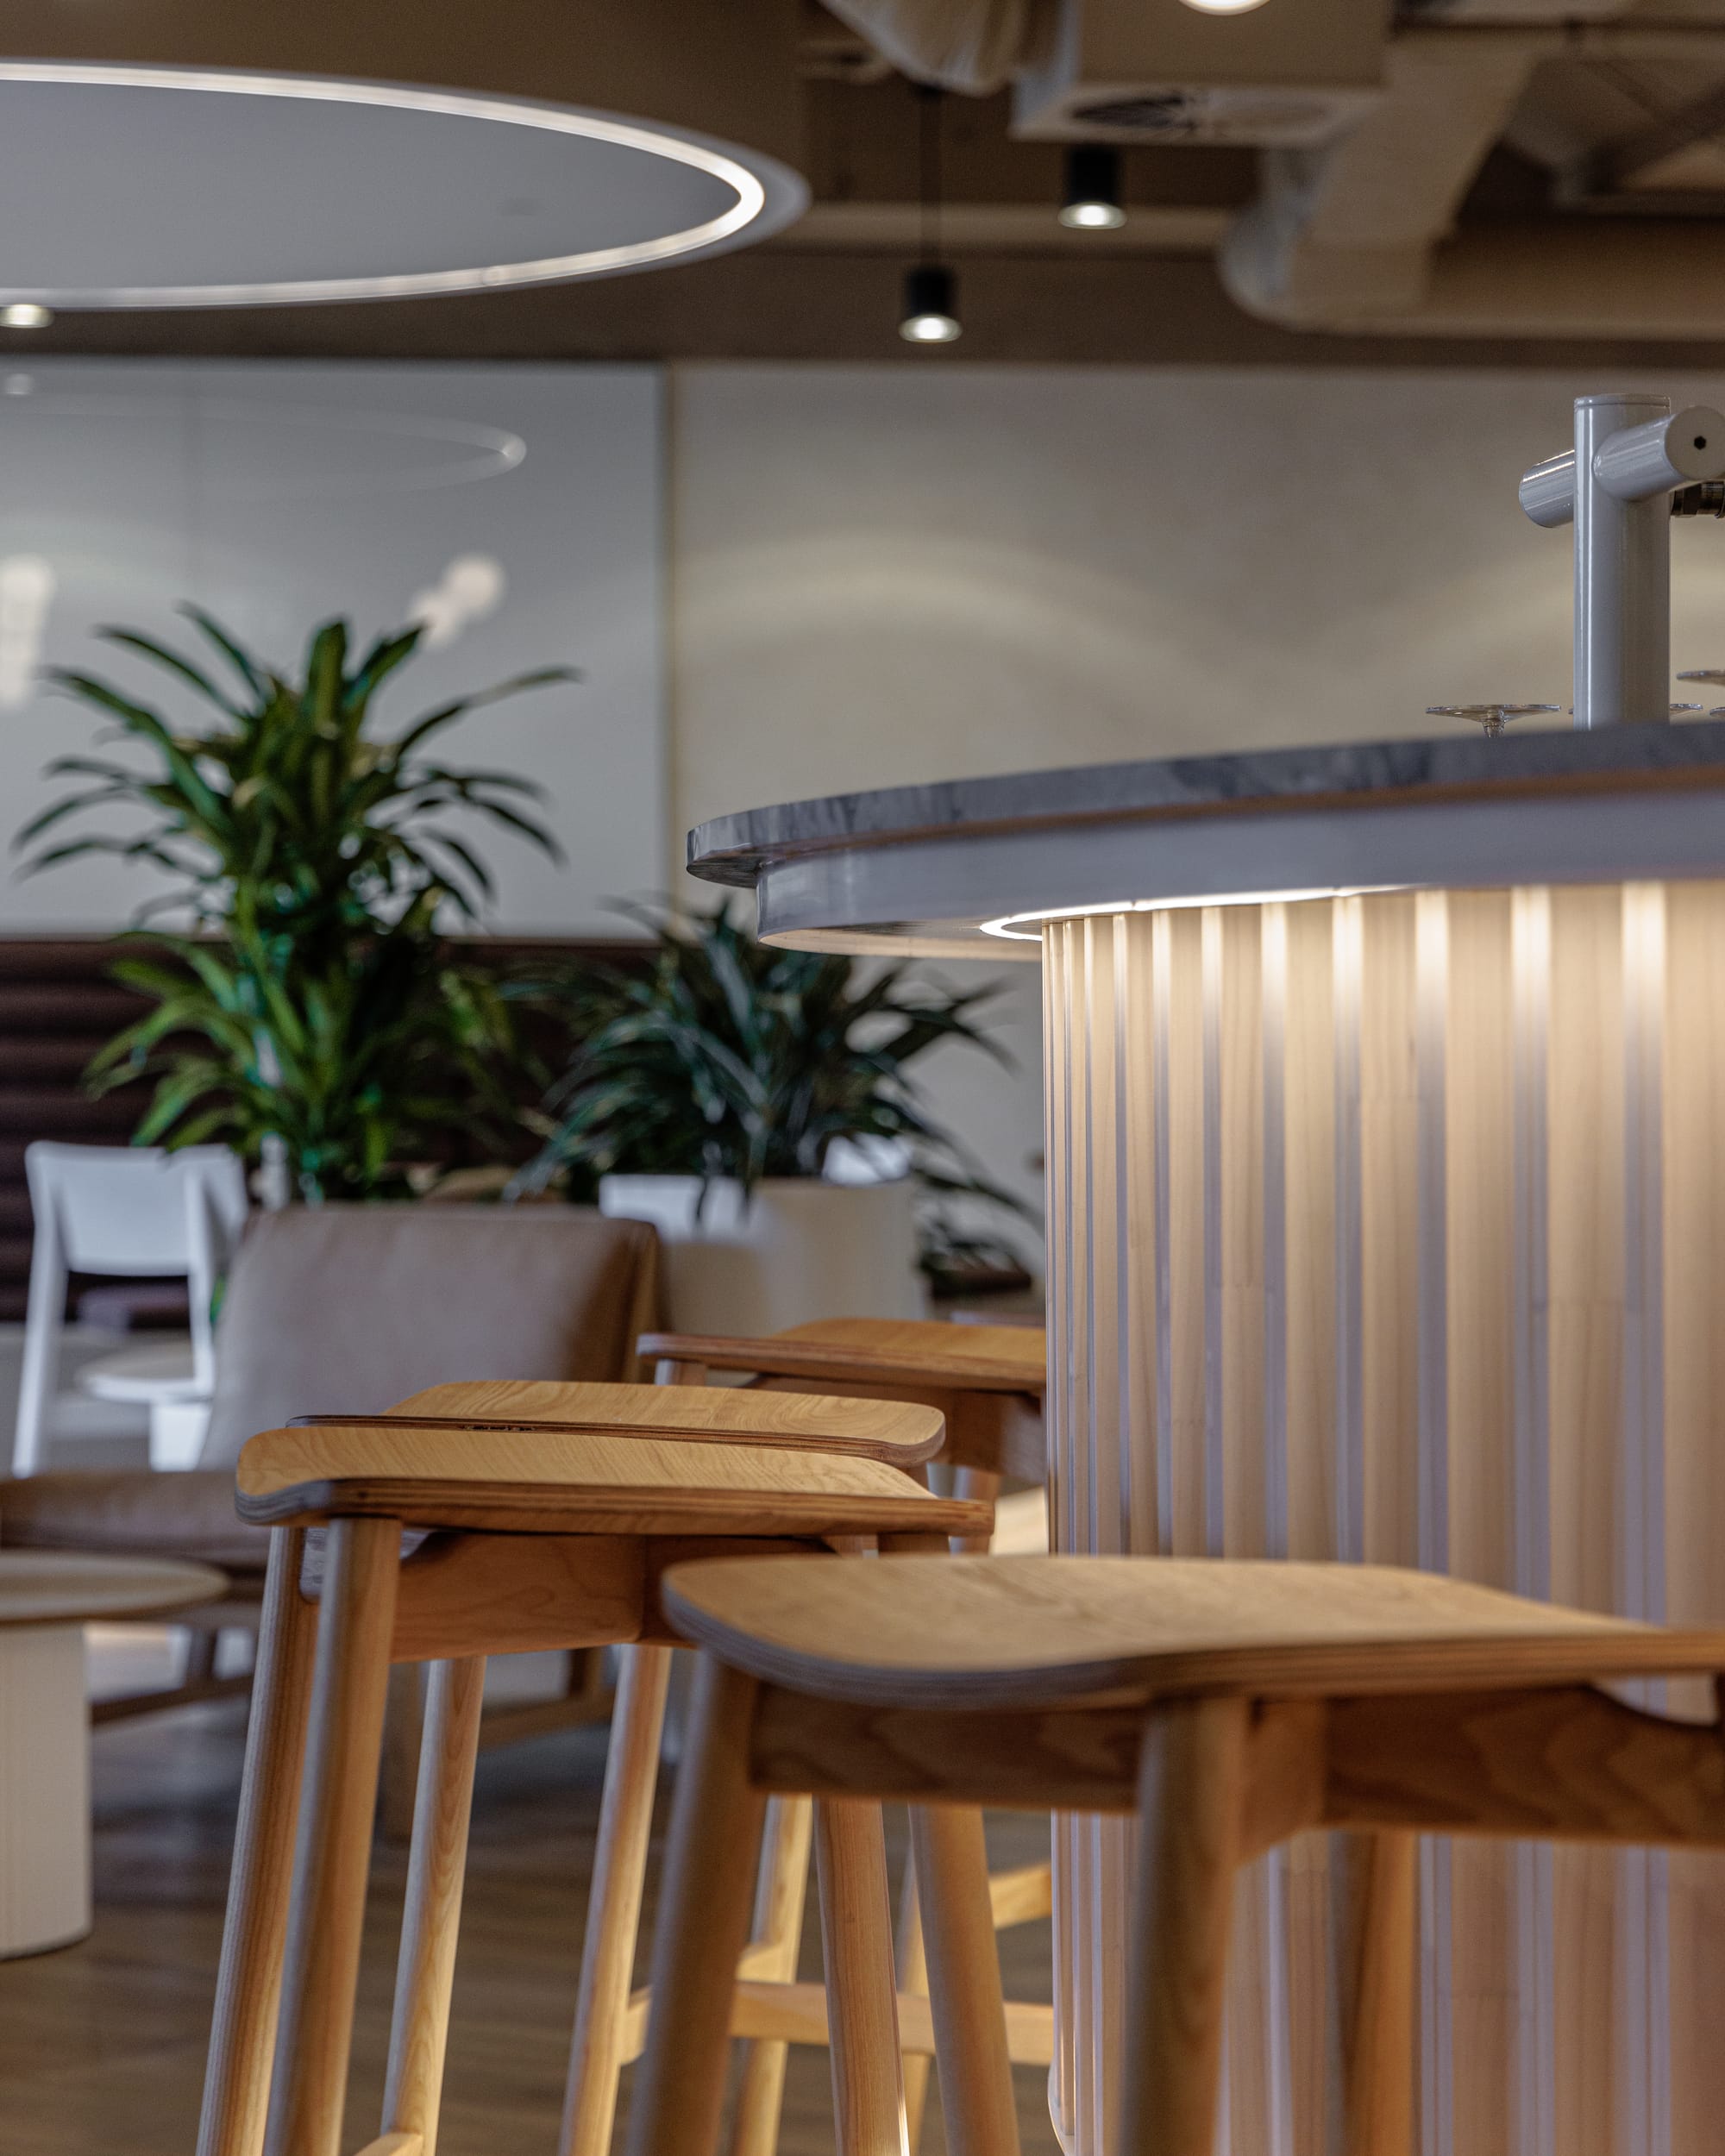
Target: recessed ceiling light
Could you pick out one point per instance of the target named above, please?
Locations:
(149, 188)
(26, 314)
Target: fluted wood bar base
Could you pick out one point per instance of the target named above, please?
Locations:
(1393, 1227)
(1386, 1208)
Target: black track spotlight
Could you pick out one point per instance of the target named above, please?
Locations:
(931, 314)
(1091, 201)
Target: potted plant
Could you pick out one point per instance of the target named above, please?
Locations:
(312, 1014)
(758, 1107)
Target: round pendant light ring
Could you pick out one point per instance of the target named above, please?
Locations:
(358, 190)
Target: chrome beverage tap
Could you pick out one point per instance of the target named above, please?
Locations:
(1632, 455)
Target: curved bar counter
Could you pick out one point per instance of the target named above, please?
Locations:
(1385, 1094)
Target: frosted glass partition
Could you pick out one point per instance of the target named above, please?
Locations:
(1393, 1228)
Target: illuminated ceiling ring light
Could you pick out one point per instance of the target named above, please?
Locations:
(1090, 200)
(766, 195)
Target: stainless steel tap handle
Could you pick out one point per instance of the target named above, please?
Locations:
(1632, 456)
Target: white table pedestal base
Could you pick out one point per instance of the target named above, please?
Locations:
(44, 1789)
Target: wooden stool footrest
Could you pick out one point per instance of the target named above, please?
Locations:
(796, 2013)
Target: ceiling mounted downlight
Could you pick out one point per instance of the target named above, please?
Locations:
(133, 186)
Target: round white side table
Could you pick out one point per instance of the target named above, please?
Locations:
(46, 1600)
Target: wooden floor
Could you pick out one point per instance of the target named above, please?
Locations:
(101, 2044)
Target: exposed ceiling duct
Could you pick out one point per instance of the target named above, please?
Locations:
(1363, 235)
(1345, 233)
(1373, 137)
(976, 47)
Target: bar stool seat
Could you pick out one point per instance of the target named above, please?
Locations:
(532, 1536)
(984, 1383)
(1229, 1704)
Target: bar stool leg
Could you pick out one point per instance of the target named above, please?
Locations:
(964, 1981)
(333, 1857)
(978, 1483)
(913, 1982)
(703, 1924)
(436, 1866)
(248, 1988)
(862, 1985)
(779, 1898)
(404, 1738)
(625, 1826)
(1377, 2001)
(1191, 1781)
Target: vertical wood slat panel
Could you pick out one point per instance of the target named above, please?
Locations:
(1479, 1102)
(1187, 1425)
(1058, 1018)
(1235, 1195)
(1288, 1121)
(1431, 1479)
(1643, 2019)
(1108, 1202)
(1693, 1114)
(1311, 1447)
(1535, 2094)
(1585, 1329)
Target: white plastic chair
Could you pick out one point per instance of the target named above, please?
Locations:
(136, 1211)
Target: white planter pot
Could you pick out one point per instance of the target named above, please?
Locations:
(796, 1252)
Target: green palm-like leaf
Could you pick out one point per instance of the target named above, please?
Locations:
(729, 1058)
(318, 1006)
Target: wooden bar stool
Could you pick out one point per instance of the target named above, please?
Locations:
(988, 1383)
(1229, 1705)
(530, 1537)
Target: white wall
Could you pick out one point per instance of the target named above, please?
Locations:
(930, 571)
(277, 496)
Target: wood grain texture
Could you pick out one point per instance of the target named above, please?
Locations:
(527, 1481)
(469, 1593)
(910, 1960)
(1066, 1758)
(1190, 1789)
(631, 1773)
(797, 2014)
(1563, 1764)
(703, 1925)
(1377, 2007)
(987, 1359)
(861, 1987)
(888, 1430)
(780, 1892)
(236, 2081)
(964, 1981)
(1034, 1630)
(431, 1921)
(333, 1853)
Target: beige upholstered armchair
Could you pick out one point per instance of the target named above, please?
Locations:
(342, 1308)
